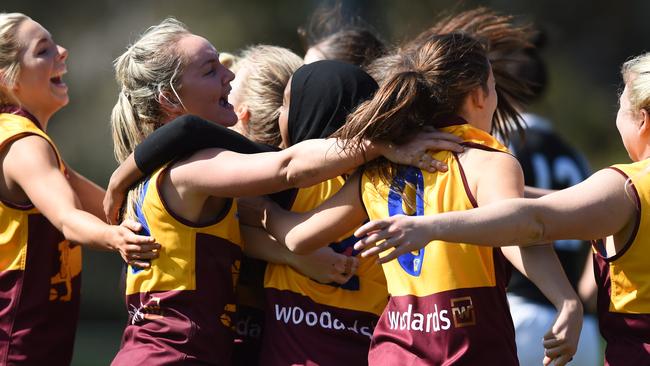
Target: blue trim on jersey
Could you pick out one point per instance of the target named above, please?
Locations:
(141, 218)
(411, 263)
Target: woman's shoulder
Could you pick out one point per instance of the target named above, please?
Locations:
(488, 159)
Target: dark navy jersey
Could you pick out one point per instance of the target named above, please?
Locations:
(549, 162)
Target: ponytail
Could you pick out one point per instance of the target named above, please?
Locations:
(149, 69)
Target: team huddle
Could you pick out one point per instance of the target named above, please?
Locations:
(361, 206)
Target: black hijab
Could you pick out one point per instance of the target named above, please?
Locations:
(323, 93)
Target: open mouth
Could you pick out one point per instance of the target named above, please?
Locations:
(57, 80)
(223, 102)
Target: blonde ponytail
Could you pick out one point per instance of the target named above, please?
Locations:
(149, 70)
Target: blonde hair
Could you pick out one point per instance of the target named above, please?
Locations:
(229, 61)
(268, 71)
(9, 50)
(636, 74)
(149, 70)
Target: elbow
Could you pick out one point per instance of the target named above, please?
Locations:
(299, 246)
(297, 249)
(296, 177)
(536, 232)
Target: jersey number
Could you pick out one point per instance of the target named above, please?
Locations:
(411, 263)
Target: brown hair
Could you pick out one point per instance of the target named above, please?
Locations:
(501, 37)
(432, 82)
(337, 38)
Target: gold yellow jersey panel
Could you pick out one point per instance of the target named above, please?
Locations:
(628, 270)
(439, 266)
(369, 292)
(13, 218)
(175, 268)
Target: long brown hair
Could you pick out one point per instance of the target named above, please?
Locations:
(432, 82)
(503, 37)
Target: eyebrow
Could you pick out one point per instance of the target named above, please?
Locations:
(209, 61)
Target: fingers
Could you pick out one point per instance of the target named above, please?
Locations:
(559, 351)
(559, 361)
(131, 225)
(552, 342)
(382, 247)
(132, 238)
(108, 212)
(344, 269)
(373, 238)
(351, 265)
(394, 254)
(427, 162)
(139, 264)
(369, 227)
(142, 248)
(112, 203)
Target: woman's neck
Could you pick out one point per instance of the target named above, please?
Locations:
(24, 112)
(475, 119)
(42, 116)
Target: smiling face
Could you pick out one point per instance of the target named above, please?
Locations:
(205, 83)
(39, 87)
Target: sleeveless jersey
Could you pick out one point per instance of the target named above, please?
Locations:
(624, 281)
(448, 303)
(180, 309)
(549, 162)
(310, 323)
(40, 274)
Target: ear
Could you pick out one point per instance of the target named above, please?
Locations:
(170, 104)
(243, 114)
(644, 123)
(477, 97)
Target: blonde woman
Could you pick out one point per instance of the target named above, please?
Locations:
(262, 72)
(41, 205)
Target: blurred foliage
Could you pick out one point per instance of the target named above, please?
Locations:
(588, 41)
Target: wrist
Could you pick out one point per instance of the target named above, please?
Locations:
(108, 238)
(374, 149)
(115, 183)
(572, 305)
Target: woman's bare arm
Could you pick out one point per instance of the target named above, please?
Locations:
(323, 265)
(308, 231)
(31, 163)
(593, 209)
(90, 194)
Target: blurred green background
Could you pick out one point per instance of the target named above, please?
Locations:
(588, 41)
